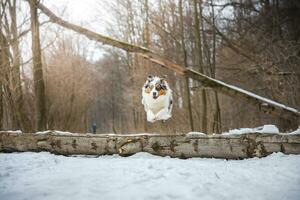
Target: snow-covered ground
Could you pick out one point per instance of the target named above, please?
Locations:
(36, 176)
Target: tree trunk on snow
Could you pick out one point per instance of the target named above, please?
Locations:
(39, 86)
(181, 146)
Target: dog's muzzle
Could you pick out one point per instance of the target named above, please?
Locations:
(154, 95)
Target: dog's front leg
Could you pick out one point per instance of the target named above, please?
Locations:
(150, 116)
(163, 114)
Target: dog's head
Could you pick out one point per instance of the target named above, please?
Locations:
(156, 86)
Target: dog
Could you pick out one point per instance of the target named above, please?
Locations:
(157, 99)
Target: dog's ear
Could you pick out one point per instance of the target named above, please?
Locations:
(164, 77)
(150, 77)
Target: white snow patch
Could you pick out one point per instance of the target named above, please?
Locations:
(145, 155)
(42, 132)
(194, 134)
(238, 131)
(37, 176)
(263, 129)
(131, 134)
(267, 129)
(10, 131)
(296, 132)
(55, 132)
(63, 132)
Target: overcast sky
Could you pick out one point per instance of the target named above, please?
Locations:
(93, 14)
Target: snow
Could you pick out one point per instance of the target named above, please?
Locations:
(272, 129)
(239, 131)
(268, 129)
(296, 132)
(35, 176)
(194, 134)
(11, 131)
(131, 134)
(55, 132)
(63, 133)
(43, 132)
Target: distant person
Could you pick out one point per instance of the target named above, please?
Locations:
(94, 127)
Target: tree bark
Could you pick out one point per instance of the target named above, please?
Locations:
(217, 115)
(39, 86)
(146, 22)
(5, 80)
(199, 57)
(1, 103)
(186, 84)
(181, 146)
(25, 124)
(2, 63)
(1, 84)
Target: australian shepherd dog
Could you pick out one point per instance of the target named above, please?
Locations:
(157, 99)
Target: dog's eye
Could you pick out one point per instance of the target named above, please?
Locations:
(148, 86)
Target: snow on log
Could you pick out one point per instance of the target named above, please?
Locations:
(236, 92)
(264, 104)
(236, 146)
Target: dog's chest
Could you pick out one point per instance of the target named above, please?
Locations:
(156, 104)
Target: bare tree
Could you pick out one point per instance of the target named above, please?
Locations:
(15, 75)
(199, 58)
(187, 88)
(2, 60)
(217, 125)
(7, 93)
(38, 78)
(70, 79)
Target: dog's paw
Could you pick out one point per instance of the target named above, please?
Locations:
(151, 120)
(163, 115)
(151, 117)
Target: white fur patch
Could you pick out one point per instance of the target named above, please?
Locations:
(159, 108)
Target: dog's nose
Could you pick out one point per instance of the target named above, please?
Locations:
(154, 93)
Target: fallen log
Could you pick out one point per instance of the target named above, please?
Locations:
(264, 104)
(180, 146)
